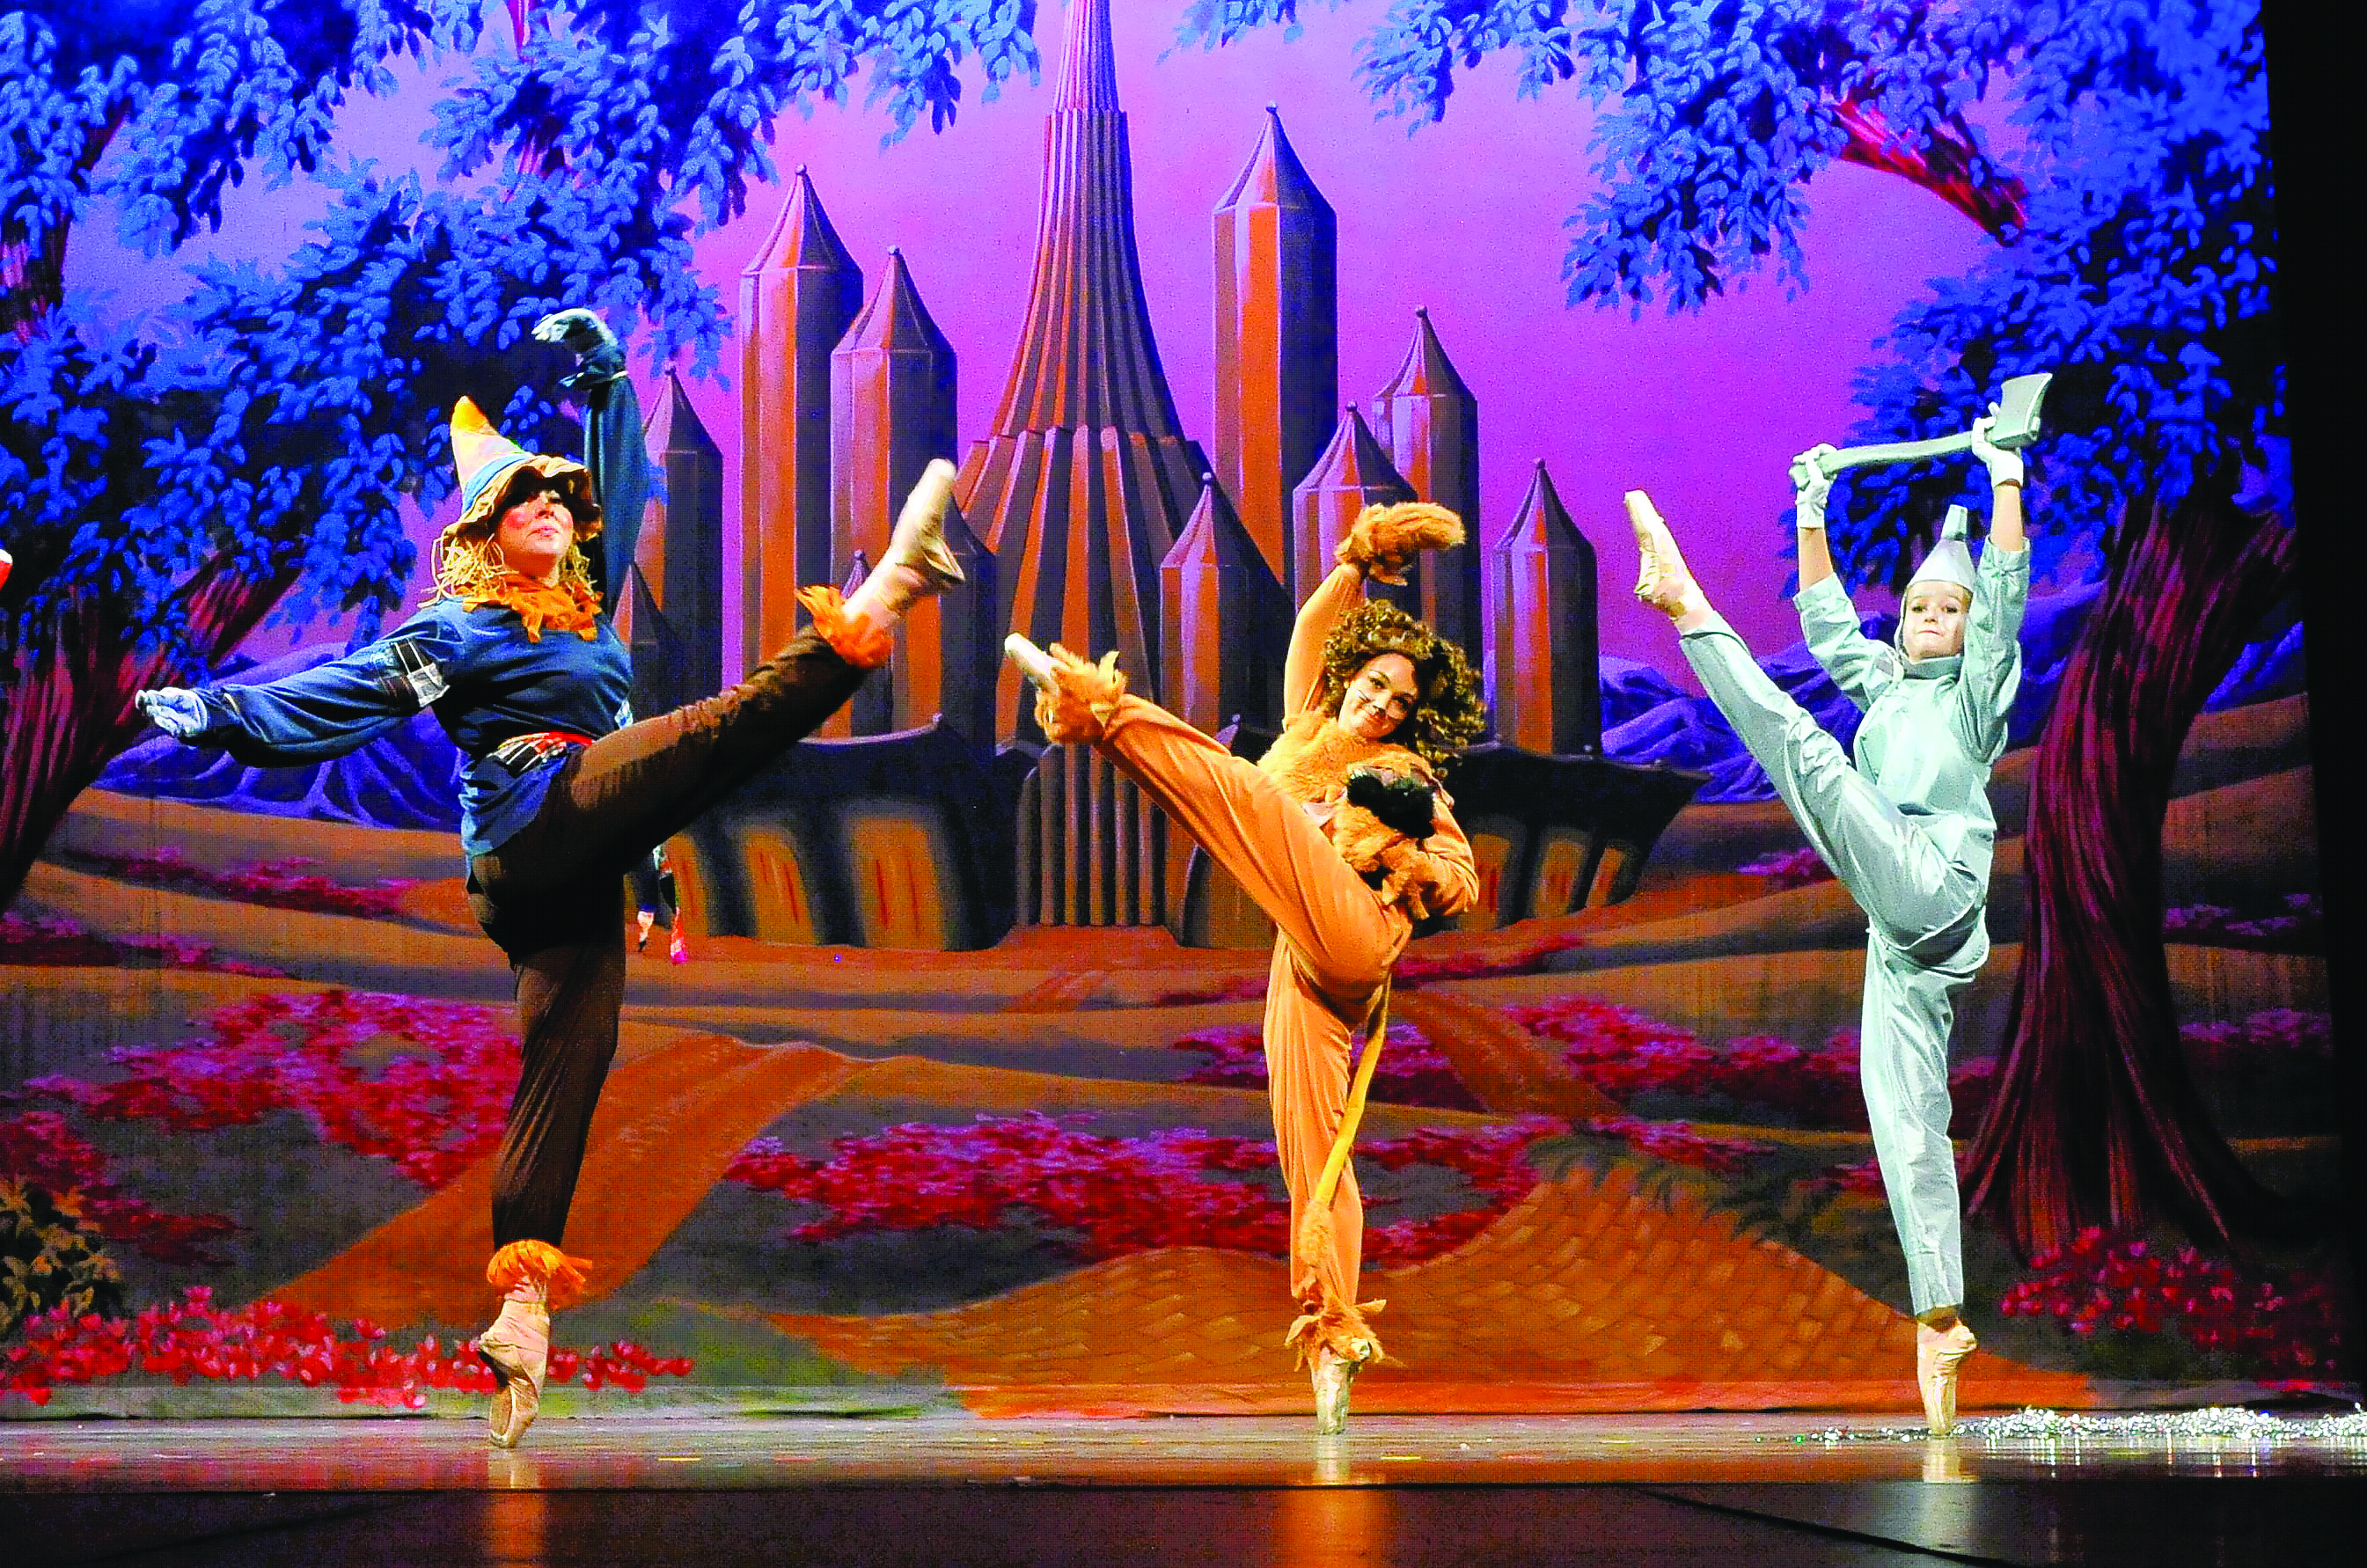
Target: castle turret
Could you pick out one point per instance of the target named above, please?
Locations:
(1543, 665)
(795, 300)
(658, 654)
(1277, 368)
(1080, 492)
(1086, 478)
(1214, 582)
(1430, 423)
(680, 557)
(892, 409)
(1354, 473)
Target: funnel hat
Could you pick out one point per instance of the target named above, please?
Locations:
(486, 460)
(1951, 560)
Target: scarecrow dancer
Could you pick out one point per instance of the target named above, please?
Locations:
(561, 792)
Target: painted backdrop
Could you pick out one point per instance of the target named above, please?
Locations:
(957, 1089)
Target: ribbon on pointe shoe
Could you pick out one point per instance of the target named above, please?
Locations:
(531, 1275)
(918, 542)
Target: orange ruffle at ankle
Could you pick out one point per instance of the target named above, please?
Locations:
(856, 641)
(539, 1265)
(1340, 1326)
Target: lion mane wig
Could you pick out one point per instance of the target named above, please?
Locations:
(1448, 713)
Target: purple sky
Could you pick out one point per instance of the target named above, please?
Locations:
(1464, 217)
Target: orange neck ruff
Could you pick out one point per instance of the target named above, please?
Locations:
(568, 605)
(1313, 757)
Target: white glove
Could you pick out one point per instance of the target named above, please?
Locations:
(2005, 468)
(178, 711)
(1808, 501)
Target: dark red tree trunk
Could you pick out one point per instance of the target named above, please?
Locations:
(72, 710)
(2095, 1120)
(1944, 164)
(32, 272)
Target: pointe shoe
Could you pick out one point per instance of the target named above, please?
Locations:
(1332, 1374)
(1074, 697)
(1939, 1354)
(1662, 579)
(517, 1350)
(531, 1275)
(1033, 662)
(919, 541)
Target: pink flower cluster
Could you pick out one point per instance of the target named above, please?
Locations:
(1493, 1160)
(1863, 1177)
(2263, 1040)
(1412, 1070)
(2269, 1324)
(2298, 925)
(283, 883)
(1419, 964)
(1113, 1196)
(54, 942)
(41, 1150)
(1677, 1142)
(193, 1339)
(1625, 1052)
(424, 1085)
(1790, 868)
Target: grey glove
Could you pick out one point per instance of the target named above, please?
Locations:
(179, 712)
(599, 358)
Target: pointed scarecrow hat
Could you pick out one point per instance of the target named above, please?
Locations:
(487, 460)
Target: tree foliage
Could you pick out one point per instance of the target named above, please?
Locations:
(278, 419)
(2144, 279)
(165, 480)
(2116, 150)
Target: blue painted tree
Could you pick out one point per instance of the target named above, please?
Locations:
(2129, 193)
(166, 483)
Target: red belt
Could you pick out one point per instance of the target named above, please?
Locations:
(520, 751)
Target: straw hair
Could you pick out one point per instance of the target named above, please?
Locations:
(471, 567)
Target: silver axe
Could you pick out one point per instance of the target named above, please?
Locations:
(2016, 425)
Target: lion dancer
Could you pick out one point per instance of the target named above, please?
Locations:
(1908, 830)
(562, 794)
(1340, 834)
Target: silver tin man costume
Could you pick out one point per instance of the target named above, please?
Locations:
(1908, 831)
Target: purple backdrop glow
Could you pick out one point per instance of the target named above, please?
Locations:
(1464, 217)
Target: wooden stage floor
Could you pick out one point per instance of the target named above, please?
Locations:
(1765, 1490)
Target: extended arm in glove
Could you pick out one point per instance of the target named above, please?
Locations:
(599, 358)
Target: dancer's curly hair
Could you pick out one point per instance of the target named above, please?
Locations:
(469, 563)
(1448, 713)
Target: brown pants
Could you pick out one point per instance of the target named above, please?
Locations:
(1336, 944)
(551, 894)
